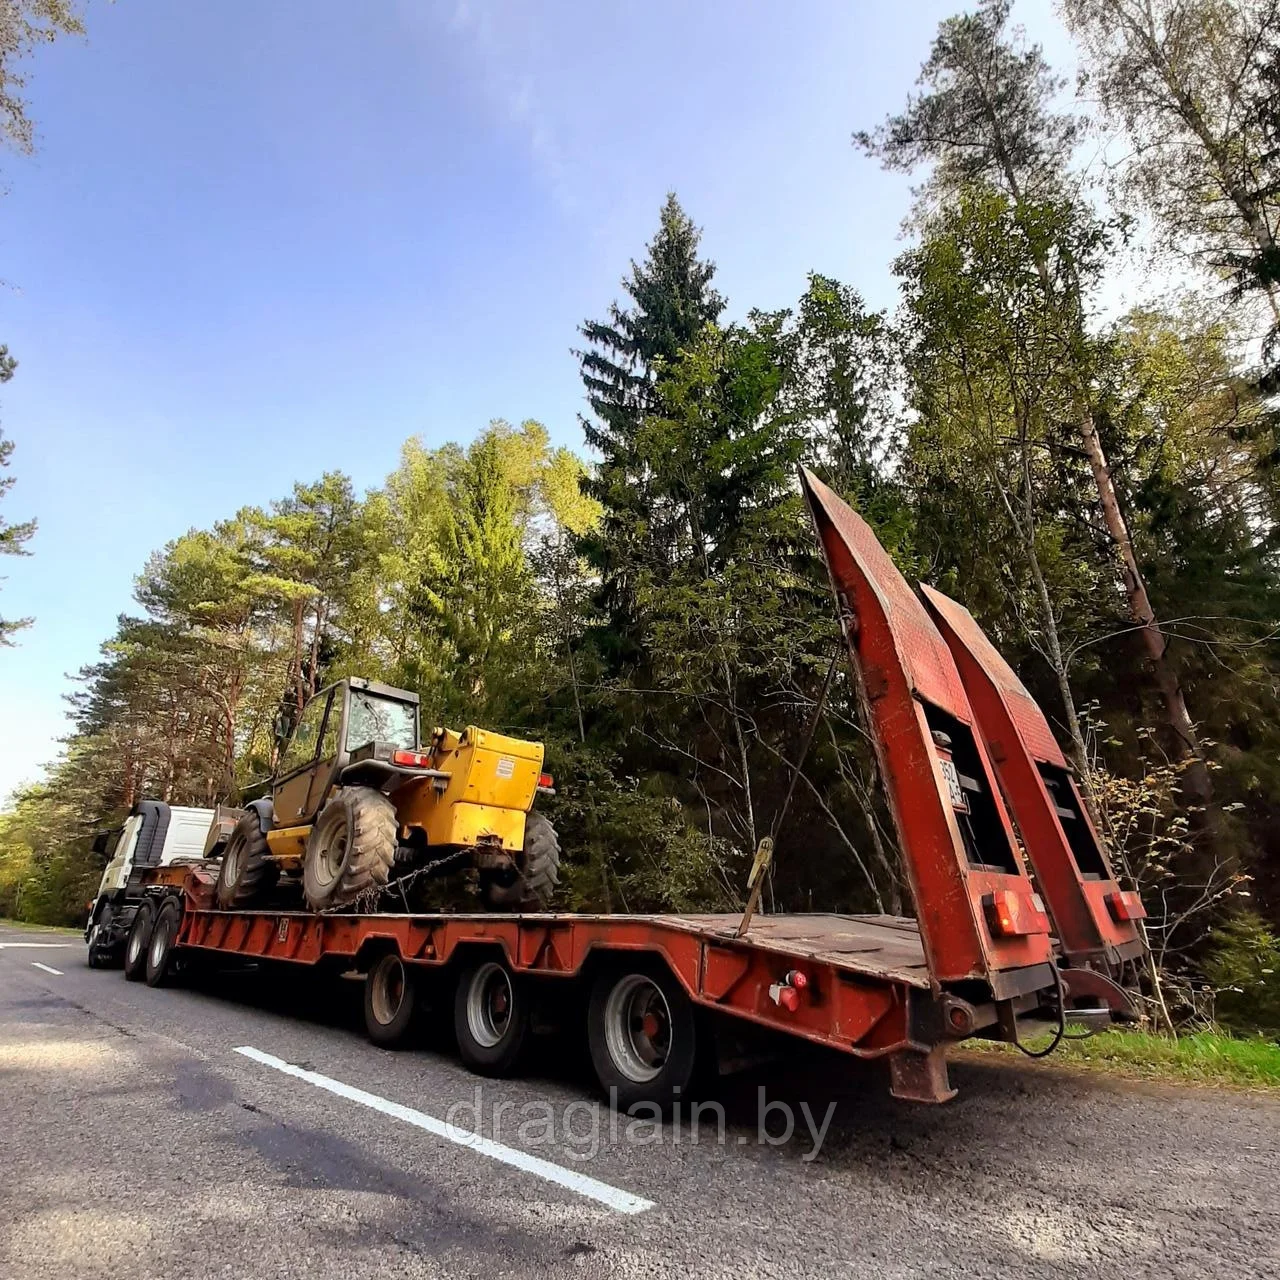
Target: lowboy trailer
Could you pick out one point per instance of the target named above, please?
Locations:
(1007, 931)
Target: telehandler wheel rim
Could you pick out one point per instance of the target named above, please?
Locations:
(490, 1002)
(331, 856)
(637, 1027)
(389, 988)
(231, 860)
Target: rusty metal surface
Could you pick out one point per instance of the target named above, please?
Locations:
(901, 664)
(887, 946)
(1022, 707)
(1019, 739)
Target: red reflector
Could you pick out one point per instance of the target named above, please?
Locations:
(546, 780)
(1012, 914)
(798, 979)
(1126, 906)
(412, 759)
(789, 999)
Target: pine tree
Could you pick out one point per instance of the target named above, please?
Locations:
(672, 302)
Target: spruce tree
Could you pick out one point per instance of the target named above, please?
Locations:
(671, 303)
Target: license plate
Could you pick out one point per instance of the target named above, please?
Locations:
(956, 791)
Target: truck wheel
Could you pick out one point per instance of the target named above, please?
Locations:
(247, 869)
(135, 950)
(391, 1001)
(350, 849)
(643, 1034)
(491, 1019)
(100, 949)
(163, 937)
(537, 874)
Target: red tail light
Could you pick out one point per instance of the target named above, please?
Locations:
(797, 978)
(546, 780)
(1012, 914)
(412, 759)
(1126, 906)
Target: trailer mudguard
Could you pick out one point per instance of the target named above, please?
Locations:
(1094, 918)
(978, 912)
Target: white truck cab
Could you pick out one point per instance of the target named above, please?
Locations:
(154, 835)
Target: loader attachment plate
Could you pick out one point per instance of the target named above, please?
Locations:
(979, 914)
(1070, 861)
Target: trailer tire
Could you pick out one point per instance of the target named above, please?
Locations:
(139, 942)
(350, 849)
(247, 870)
(160, 949)
(392, 998)
(536, 876)
(491, 1018)
(100, 950)
(642, 1030)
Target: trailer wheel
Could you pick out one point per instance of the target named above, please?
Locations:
(135, 949)
(161, 947)
(391, 1001)
(642, 1031)
(350, 848)
(247, 870)
(491, 1019)
(100, 939)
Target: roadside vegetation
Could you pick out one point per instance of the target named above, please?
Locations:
(1100, 491)
(1200, 1057)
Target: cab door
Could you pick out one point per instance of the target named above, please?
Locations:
(300, 764)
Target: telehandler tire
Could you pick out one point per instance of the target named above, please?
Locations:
(537, 872)
(138, 943)
(350, 849)
(248, 871)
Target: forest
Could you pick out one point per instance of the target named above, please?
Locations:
(1100, 490)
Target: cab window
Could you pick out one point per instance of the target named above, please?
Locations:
(306, 736)
(373, 719)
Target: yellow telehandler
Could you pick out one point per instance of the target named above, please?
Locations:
(356, 794)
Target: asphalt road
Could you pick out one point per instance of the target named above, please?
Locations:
(136, 1141)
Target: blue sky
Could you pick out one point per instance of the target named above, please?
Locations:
(259, 241)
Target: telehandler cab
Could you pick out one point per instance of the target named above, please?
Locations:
(356, 794)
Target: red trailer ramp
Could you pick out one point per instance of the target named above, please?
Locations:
(1094, 917)
(980, 917)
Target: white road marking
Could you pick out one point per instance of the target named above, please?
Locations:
(579, 1183)
(57, 973)
(3, 945)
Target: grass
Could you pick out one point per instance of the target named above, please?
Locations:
(40, 928)
(1203, 1057)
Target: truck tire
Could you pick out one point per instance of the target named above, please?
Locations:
(391, 1001)
(536, 876)
(100, 947)
(350, 849)
(490, 1018)
(164, 937)
(642, 1030)
(135, 949)
(247, 871)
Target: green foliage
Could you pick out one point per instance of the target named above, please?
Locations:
(1244, 968)
(25, 24)
(13, 537)
(1204, 1057)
